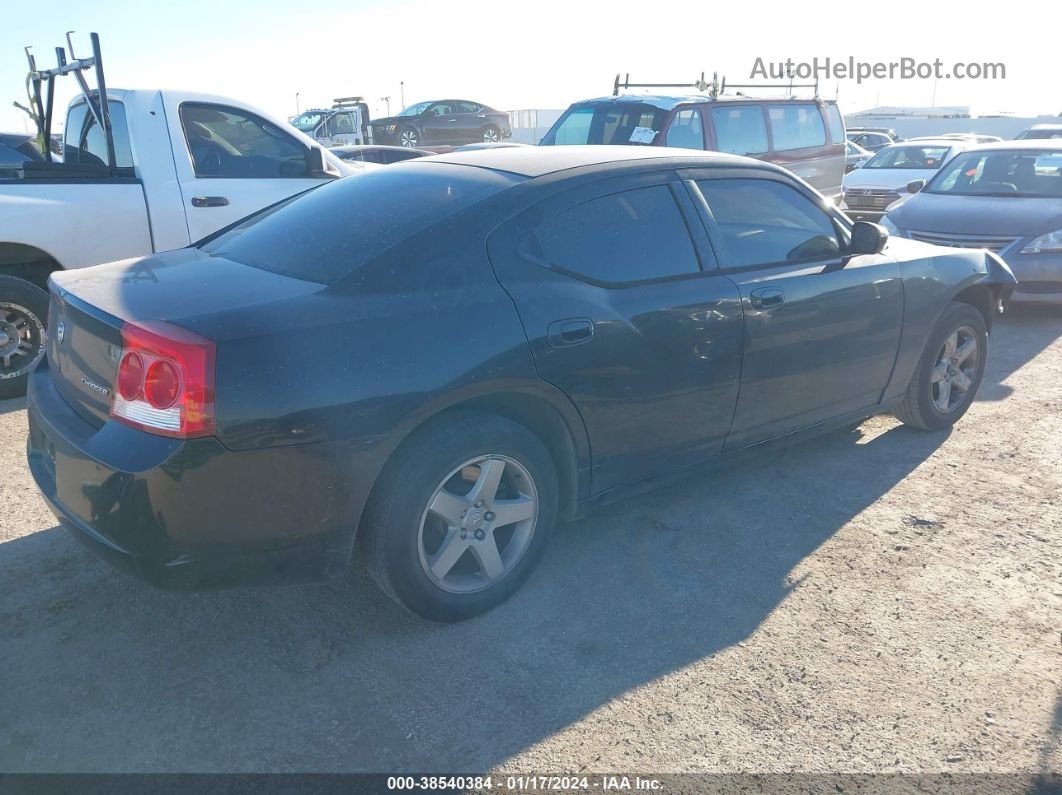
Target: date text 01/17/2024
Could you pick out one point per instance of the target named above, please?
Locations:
(528, 783)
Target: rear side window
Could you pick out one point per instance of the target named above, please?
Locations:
(227, 142)
(796, 126)
(763, 222)
(836, 124)
(686, 130)
(624, 237)
(740, 129)
(85, 142)
(328, 233)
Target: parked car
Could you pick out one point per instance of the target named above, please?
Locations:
(1005, 197)
(447, 121)
(891, 133)
(647, 310)
(882, 180)
(872, 141)
(186, 165)
(17, 149)
(855, 156)
(378, 153)
(346, 123)
(805, 136)
(1040, 132)
(977, 138)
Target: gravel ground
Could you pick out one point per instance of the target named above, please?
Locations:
(874, 600)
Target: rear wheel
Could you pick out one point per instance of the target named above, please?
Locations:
(461, 518)
(491, 134)
(23, 325)
(949, 372)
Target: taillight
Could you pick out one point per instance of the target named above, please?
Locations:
(165, 381)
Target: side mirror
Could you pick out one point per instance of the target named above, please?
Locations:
(315, 165)
(915, 185)
(867, 238)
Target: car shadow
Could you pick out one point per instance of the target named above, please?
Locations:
(1023, 332)
(12, 404)
(102, 673)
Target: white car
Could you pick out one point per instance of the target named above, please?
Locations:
(882, 180)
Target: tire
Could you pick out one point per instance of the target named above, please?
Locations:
(408, 137)
(491, 134)
(923, 405)
(23, 333)
(442, 569)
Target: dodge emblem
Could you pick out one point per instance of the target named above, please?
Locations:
(60, 331)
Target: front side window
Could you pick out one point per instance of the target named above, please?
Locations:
(624, 237)
(796, 126)
(343, 124)
(912, 157)
(230, 143)
(415, 110)
(763, 222)
(608, 123)
(686, 130)
(740, 130)
(85, 142)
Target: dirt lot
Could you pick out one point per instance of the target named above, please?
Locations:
(876, 600)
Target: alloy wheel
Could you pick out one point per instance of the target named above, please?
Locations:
(408, 139)
(955, 369)
(490, 135)
(478, 524)
(21, 340)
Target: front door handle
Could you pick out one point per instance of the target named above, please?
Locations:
(767, 297)
(209, 201)
(571, 331)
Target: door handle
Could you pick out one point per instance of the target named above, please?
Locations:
(209, 201)
(571, 331)
(767, 297)
(452, 121)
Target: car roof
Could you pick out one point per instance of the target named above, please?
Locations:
(924, 141)
(1054, 144)
(537, 161)
(669, 102)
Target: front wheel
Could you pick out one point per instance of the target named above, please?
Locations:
(408, 138)
(491, 134)
(949, 372)
(23, 323)
(461, 517)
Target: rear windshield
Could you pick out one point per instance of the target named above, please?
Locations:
(327, 233)
(609, 123)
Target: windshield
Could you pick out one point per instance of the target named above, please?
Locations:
(1019, 173)
(1046, 132)
(612, 123)
(909, 157)
(307, 122)
(414, 110)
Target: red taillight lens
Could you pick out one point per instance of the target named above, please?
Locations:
(130, 376)
(165, 381)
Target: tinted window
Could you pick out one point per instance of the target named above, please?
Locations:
(465, 107)
(329, 232)
(85, 141)
(225, 142)
(686, 130)
(836, 124)
(762, 221)
(612, 123)
(740, 130)
(795, 126)
(625, 237)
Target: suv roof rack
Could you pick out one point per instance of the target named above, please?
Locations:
(714, 89)
(42, 102)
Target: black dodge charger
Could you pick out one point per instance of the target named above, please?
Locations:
(445, 121)
(428, 365)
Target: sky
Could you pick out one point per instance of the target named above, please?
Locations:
(541, 54)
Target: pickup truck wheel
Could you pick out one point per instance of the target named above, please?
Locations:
(491, 134)
(408, 138)
(949, 372)
(23, 332)
(461, 517)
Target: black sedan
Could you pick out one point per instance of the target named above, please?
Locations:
(505, 338)
(447, 121)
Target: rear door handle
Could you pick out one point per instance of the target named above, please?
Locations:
(209, 201)
(571, 331)
(767, 297)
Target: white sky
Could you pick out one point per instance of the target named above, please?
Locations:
(541, 54)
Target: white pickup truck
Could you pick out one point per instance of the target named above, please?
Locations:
(185, 165)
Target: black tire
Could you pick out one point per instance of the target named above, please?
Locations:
(491, 134)
(918, 408)
(408, 137)
(392, 533)
(23, 312)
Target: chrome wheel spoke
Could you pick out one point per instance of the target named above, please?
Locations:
(950, 344)
(940, 372)
(965, 350)
(489, 558)
(449, 506)
(508, 512)
(944, 395)
(486, 487)
(962, 381)
(453, 547)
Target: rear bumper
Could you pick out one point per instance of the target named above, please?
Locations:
(185, 514)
